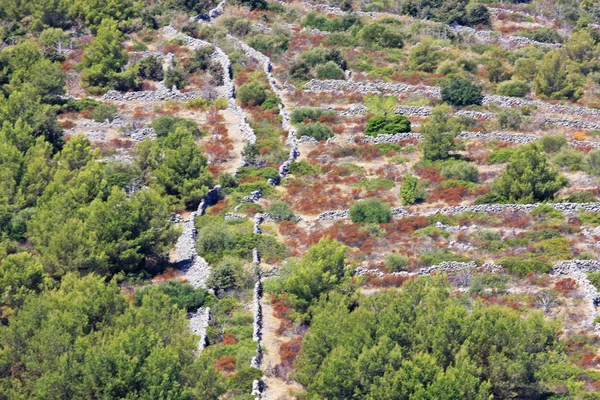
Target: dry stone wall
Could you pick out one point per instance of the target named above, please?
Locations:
(285, 117)
(332, 85)
(569, 208)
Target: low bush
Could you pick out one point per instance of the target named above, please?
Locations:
(387, 125)
(409, 191)
(308, 114)
(462, 170)
(315, 130)
(252, 93)
(461, 92)
(371, 210)
(104, 112)
(184, 295)
(501, 156)
(524, 266)
(395, 262)
(513, 88)
(303, 168)
(591, 162)
(330, 70)
(167, 124)
(553, 143)
(281, 211)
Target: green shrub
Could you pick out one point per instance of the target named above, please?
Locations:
(569, 158)
(395, 262)
(308, 114)
(272, 43)
(374, 184)
(594, 278)
(252, 93)
(542, 34)
(303, 168)
(184, 295)
(409, 191)
(510, 119)
(463, 171)
(590, 218)
(523, 266)
(440, 255)
(553, 143)
(321, 55)
(264, 173)
(460, 92)
(477, 14)
(379, 35)
(424, 56)
(501, 156)
(281, 211)
(387, 125)
(513, 88)
(300, 70)
(151, 68)
(315, 130)
(545, 212)
(371, 210)
(175, 77)
(592, 162)
(581, 197)
(528, 177)
(104, 112)
(330, 70)
(167, 124)
(431, 231)
(557, 248)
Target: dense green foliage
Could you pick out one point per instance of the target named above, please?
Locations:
(183, 295)
(409, 191)
(387, 125)
(422, 343)
(371, 210)
(178, 166)
(314, 130)
(85, 340)
(439, 135)
(461, 92)
(319, 271)
(528, 177)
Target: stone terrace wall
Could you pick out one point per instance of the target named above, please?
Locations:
(484, 208)
(331, 85)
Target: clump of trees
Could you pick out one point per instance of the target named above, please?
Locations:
(319, 271)
(327, 63)
(104, 59)
(91, 324)
(423, 342)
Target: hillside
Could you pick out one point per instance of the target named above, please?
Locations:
(294, 200)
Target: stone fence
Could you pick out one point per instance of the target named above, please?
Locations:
(483, 208)
(331, 85)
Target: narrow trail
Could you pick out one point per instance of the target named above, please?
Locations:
(276, 388)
